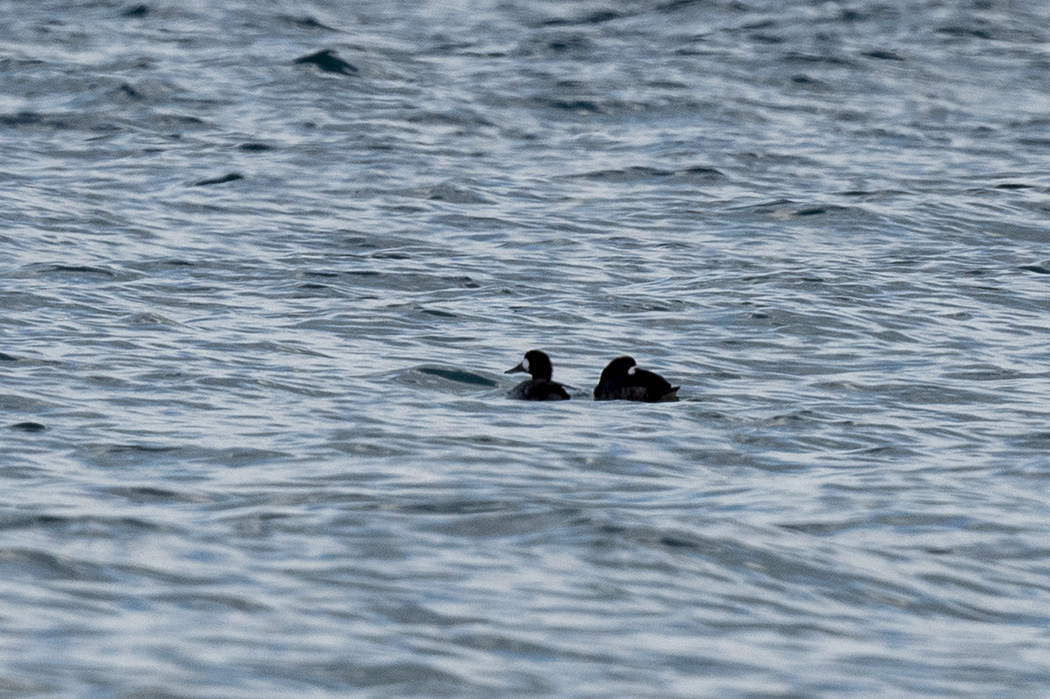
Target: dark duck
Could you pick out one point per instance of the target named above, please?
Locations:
(540, 386)
(623, 380)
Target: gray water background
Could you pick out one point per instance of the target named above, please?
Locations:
(255, 440)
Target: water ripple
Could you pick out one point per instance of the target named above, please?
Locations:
(257, 434)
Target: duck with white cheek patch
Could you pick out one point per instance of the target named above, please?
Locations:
(623, 380)
(540, 386)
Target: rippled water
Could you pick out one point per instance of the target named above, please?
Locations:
(256, 315)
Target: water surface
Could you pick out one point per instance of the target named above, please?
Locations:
(256, 315)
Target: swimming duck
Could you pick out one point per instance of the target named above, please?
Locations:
(623, 380)
(540, 386)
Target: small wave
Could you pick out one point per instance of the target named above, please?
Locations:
(328, 61)
(74, 273)
(641, 173)
(28, 427)
(435, 376)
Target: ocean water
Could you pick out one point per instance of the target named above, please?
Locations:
(264, 264)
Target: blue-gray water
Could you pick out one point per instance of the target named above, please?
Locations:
(255, 441)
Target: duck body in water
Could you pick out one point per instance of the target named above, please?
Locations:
(623, 380)
(540, 386)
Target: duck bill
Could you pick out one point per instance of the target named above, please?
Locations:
(516, 370)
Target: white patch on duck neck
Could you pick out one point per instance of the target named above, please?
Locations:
(632, 370)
